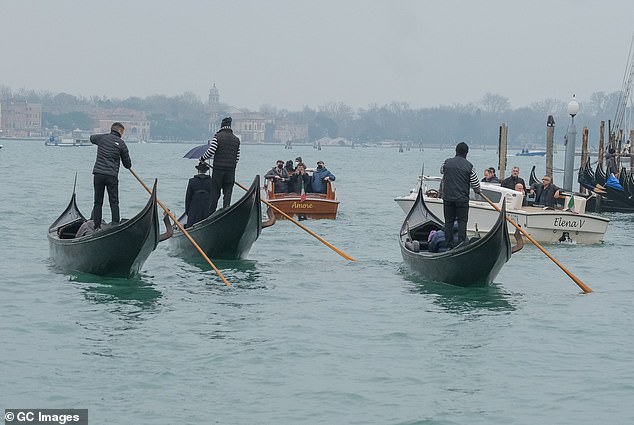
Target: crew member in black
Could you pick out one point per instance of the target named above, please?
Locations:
(458, 177)
(198, 196)
(111, 150)
(225, 150)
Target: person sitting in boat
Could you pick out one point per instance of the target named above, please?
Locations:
(545, 192)
(289, 167)
(520, 188)
(320, 178)
(512, 181)
(279, 176)
(300, 180)
(489, 176)
(198, 196)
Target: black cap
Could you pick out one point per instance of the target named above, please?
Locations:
(226, 122)
(462, 149)
(202, 166)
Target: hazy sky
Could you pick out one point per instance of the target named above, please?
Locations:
(292, 53)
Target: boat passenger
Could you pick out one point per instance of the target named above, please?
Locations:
(520, 188)
(545, 192)
(458, 177)
(300, 180)
(198, 196)
(225, 150)
(111, 151)
(489, 176)
(279, 175)
(512, 181)
(320, 176)
(289, 167)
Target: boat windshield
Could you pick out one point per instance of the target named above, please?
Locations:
(493, 195)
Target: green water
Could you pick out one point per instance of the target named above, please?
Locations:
(303, 336)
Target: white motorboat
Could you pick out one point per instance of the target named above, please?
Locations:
(545, 225)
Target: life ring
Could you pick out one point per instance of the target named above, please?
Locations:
(432, 193)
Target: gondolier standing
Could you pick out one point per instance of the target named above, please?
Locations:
(111, 150)
(225, 150)
(458, 177)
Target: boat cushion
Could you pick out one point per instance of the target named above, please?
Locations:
(69, 230)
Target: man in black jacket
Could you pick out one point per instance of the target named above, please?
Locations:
(111, 150)
(511, 181)
(198, 196)
(225, 150)
(458, 177)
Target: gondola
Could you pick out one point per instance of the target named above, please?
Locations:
(469, 265)
(117, 250)
(227, 234)
(605, 198)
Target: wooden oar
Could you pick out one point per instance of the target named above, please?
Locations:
(579, 283)
(319, 238)
(178, 223)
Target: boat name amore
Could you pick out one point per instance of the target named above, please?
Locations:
(301, 205)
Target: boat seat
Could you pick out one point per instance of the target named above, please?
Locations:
(69, 230)
(413, 246)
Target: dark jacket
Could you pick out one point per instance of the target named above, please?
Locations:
(197, 199)
(281, 184)
(224, 147)
(493, 179)
(458, 178)
(511, 181)
(318, 184)
(545, 196)
(296, 183)
(111, 150)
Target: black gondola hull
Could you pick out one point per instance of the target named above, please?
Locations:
(115, 251)
(475, 264)
(227, 234)
(606, 198)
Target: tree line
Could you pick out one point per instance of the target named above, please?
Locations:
(186, 117)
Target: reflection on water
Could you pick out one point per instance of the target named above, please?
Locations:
(242, 274)
(135, 291)
(456, 299)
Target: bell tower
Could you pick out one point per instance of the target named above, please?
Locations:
(214, 96)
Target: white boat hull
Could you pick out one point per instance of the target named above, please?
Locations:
(545, 226)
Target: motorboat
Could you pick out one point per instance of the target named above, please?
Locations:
(545, 224)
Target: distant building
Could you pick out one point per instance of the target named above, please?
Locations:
(137, 127)
(20, 118)
(253, 127)
(286, 131)
(250, 126)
